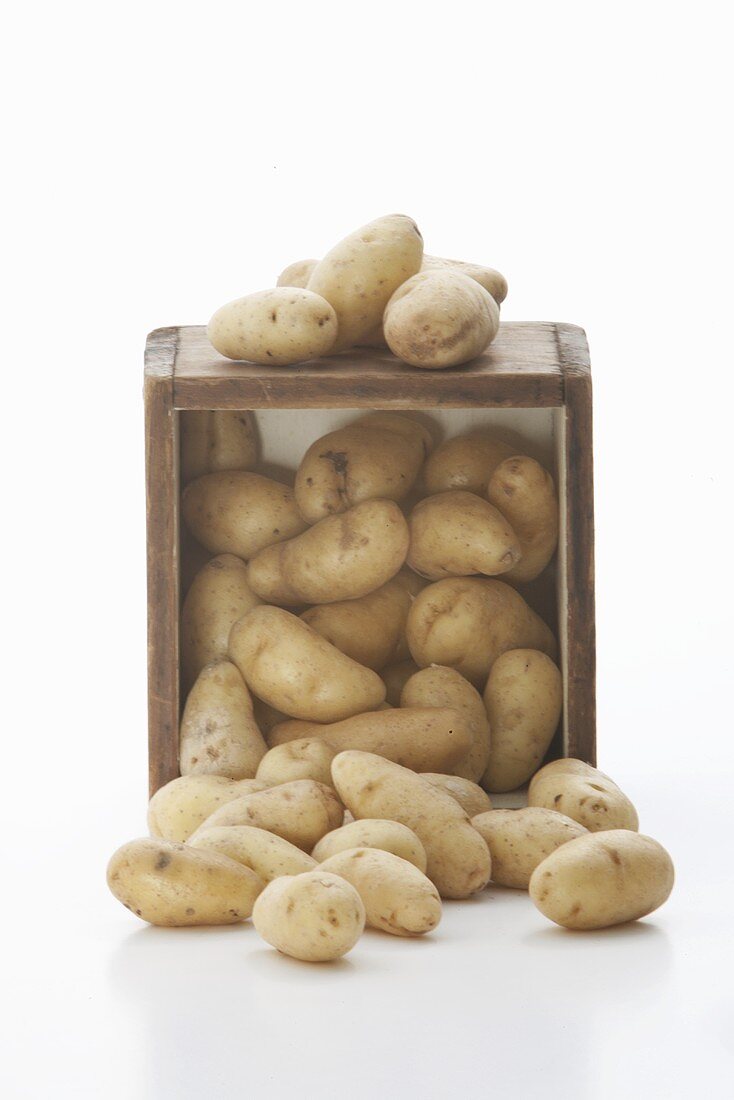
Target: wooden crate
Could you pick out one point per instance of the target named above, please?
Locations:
(534, 381)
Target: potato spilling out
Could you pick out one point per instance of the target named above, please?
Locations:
(315, 917)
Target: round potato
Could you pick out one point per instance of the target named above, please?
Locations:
(240, 513)
(219, 595)
(177, 809)
(519, 840)
(315, 917)
(595, 803)
(268, 855)
(440, 319)
(217, 439)
(301, 812)
(360, 273)
(524, 698)
(491, 280)
(468, 622)
(525, 495)
(275, 327)
(305, 758)
(173, 885)
(602, 879)
(297, 274)
(371, 629)
(219, 735)
(397, 897)
(455, 534)
(388, 836)
(567, 765)
(465, 462)
(439, 686)
(294, 669)
(472, 799)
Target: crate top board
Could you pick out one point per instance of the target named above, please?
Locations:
(529, 365)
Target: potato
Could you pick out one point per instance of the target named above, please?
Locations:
(219, 735)
(465, 462)
(173, 885)
(408, 426)
(567, 765)
(397, 897)
(487, 277)
(341, 557)
(301, 812)
(366, 460)
(458, 858)
(595, 803)
(217, 439)
(602, 879)
(468, 622)
(455, 534)
(523, 697)
(440, 319)
(275, 327)
(305, 758)
(395, 677)
(192, 558)
(371, 629)
(360, 273)
(472, 799)
(388, 836)
(218, 597)
(177, 809)
(525, 495)
(427, 738)
(297, 274)
(239, 512)
(268, 855)
(519, 840)
(439, 686)
(315, 917)
(293, 668)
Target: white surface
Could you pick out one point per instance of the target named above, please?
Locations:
(168, 157)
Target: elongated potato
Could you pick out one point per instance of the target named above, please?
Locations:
(219, 735)
(177, 809)
(439, 686)
(519, 840)
(458, 858)
(301, 812)
(465, 462)
(456, 534)
(305, 758)
(395, 677)
(267, 854)
(567, 765)
(293, 668)
(315, 917)
(217, 439)
(470, 796)
(492, 281)
(439, 319)
(240, 513)
(371, 629)
(342, 557)
(523, 697)
(525, 495)
(603, 879)
(595, 803)
(173, 885)
(429, 738)
(468, 622)
(297, 274)
(275, 327)
(388, 836)
(360, 273)
(397, 897)
(217, 598)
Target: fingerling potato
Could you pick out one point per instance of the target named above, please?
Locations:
(178, 808)
(217, 439)
(275, 327)
(219, 595)
(240, 513)
(267, 854)
(397, 897)
(464, 462)
(439, 686)
(301, 812)
(525, 495)
(519, 840)
(456, 534)
(219, 735)
(388, 836)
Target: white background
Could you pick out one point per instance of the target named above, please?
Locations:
(162, 158)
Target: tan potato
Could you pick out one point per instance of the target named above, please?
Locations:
(468, 622)
(341, 557)
(219, 735)
(268, 855)
(603, 879)
(472, 799)
(217, 439)
(240, 513)
(360, 273)
(297, 274)
(177, 809)
(465, 462)
(397, 897)
(525, 495)
(595, 803)
(301, 812)
(173, 885)
(388, 836)
(420, 738)
(524, 698)
(491, 280)
(371, 629)
(217, 598)
(456, 534)
(293, 668)
(439, 686)
(395, 677)
(275, 327)
(567, 765)
(305, 758)
(440, 319)
(315, 917)
(458, 858)
(519, 840)
(409, 427)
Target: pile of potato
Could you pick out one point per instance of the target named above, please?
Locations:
(358, 682)
(375, 289)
